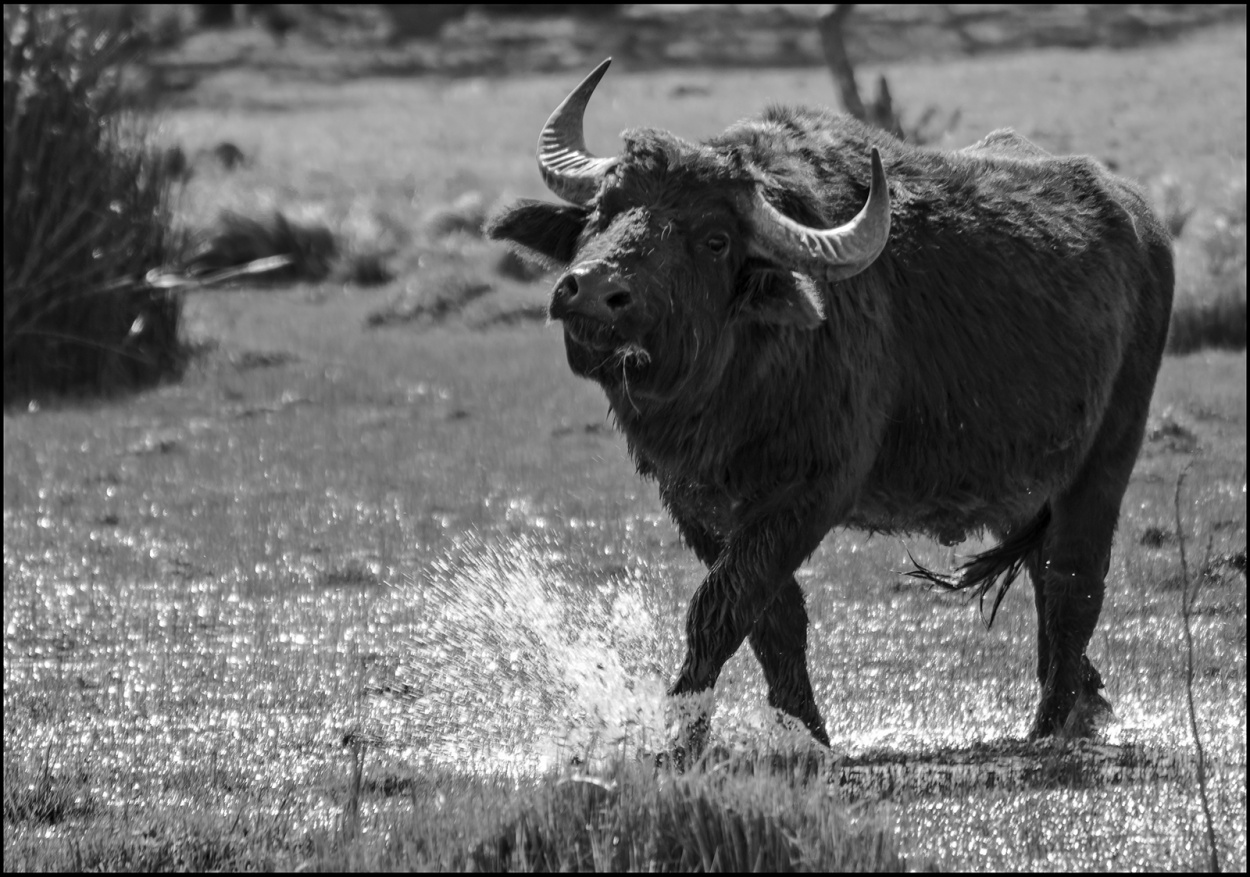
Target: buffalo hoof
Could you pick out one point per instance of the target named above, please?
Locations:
(674, 760)
(678, 759)
(1047, 723)
(689, 729)
(1089, 715)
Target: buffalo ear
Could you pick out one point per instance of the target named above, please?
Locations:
(781, 298)
(547, 231)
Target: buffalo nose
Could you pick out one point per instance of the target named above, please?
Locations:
(590, 294)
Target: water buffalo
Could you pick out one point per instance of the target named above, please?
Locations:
(973, 350)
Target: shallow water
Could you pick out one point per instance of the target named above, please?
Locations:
(505, 656)
(517, 665)
(527, 667)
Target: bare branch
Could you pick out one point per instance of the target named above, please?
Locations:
(831, 24)
(1187, 600)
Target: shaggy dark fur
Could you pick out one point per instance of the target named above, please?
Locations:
(991, 370)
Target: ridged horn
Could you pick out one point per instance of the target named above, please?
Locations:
(567, 168)
(831, 254)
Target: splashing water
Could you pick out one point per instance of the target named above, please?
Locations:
(511, 663)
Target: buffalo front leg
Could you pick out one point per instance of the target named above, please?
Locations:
(779, 640)
(754, 570)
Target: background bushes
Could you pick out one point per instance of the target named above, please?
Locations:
(86, 214)
(1210, 308)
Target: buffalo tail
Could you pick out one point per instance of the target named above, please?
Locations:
(1000, 566)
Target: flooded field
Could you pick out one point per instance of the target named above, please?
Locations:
(348, 597)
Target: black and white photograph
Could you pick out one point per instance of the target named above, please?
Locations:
(487, 437)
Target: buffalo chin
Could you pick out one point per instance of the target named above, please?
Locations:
(604, 359)
(590, 334)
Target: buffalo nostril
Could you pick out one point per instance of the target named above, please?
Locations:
(567, 286)
(618, 300)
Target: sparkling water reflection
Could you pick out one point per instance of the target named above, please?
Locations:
(511, 663)
(173, 687)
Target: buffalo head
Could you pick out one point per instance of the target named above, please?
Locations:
(670, 247)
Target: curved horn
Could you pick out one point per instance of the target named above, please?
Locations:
(833, 254)
(567, 168)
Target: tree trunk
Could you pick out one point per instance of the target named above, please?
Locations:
(880, 112)
(831, 24)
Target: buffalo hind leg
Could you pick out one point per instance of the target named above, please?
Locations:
(1069, 579)
(1089, 705)
(779, 640)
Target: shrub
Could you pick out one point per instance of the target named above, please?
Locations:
(1217, 317)
(238, 239)
(86, 213)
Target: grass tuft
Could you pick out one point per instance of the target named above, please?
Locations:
(1156, 537)
(512, 265)
(87, 206)
(239, 239)
(431, 298)
(365, 269)
(228, 156)
(33, 794)
(635, 820)
(316, 252)
(465, 215)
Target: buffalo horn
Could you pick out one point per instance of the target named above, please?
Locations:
(567, 168)
(832, 254)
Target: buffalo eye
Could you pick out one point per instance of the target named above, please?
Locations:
(717, 243)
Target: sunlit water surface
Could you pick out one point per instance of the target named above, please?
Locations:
(504, 656)
(515, 663)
